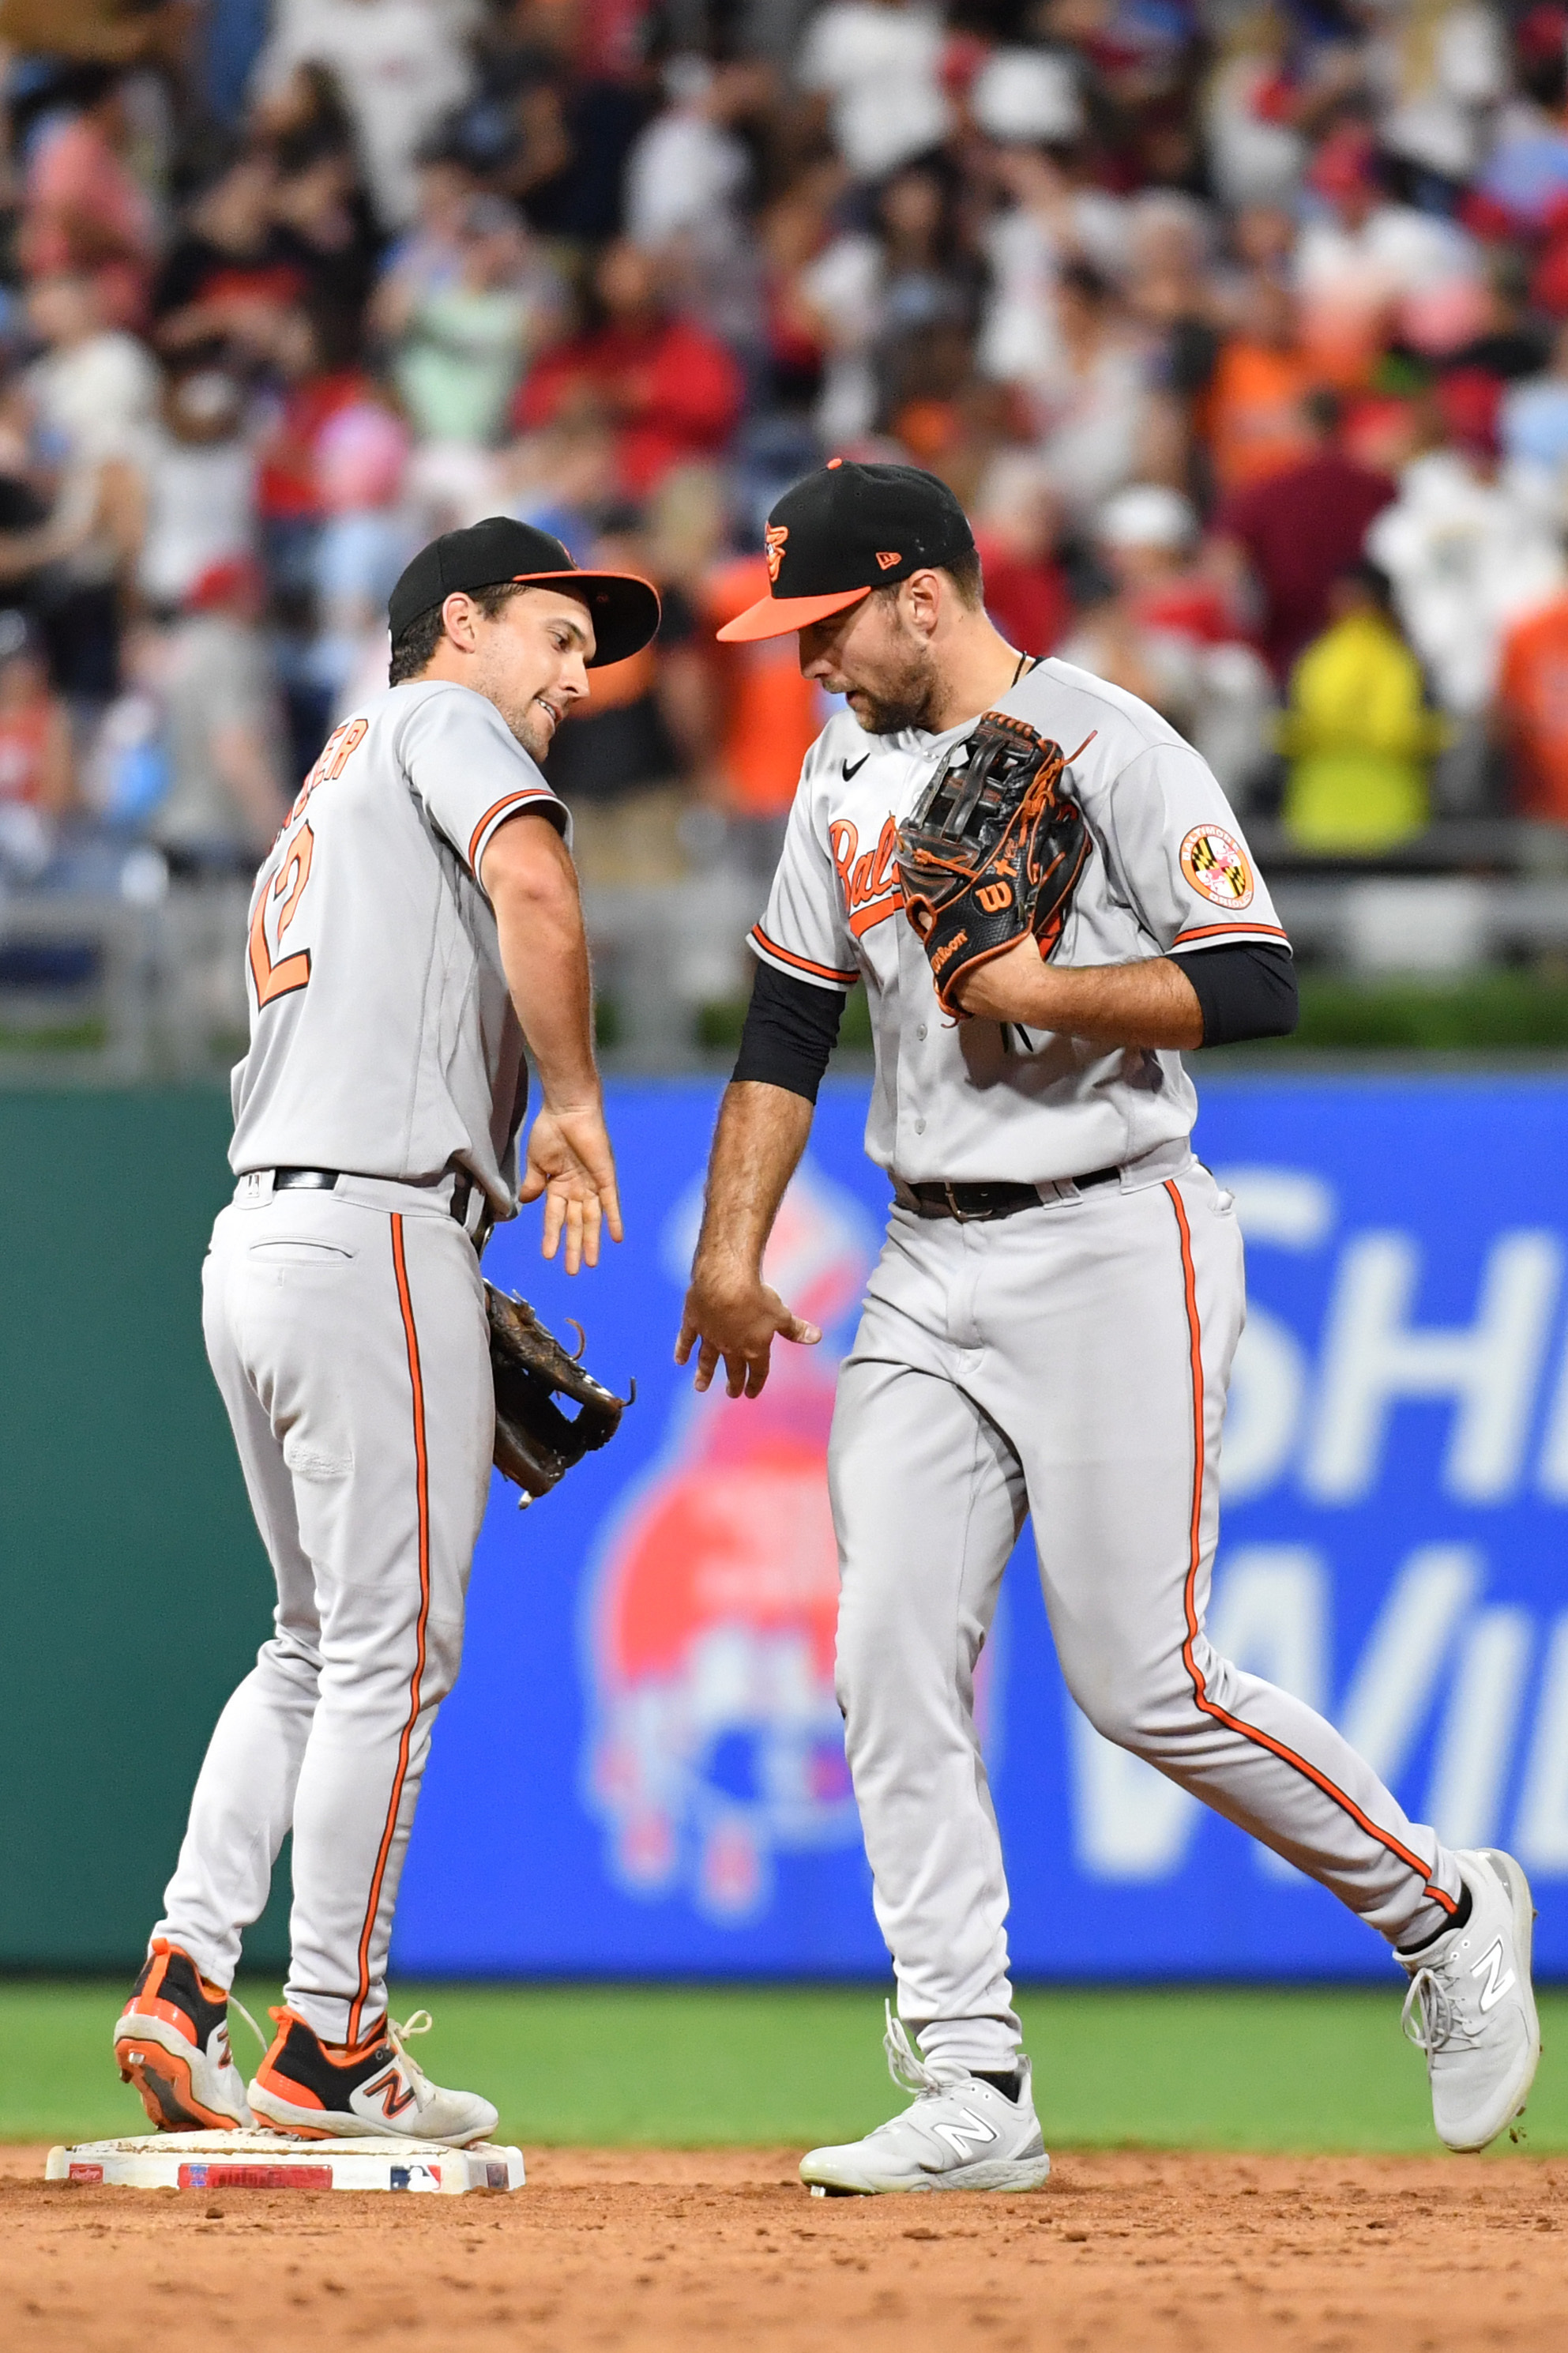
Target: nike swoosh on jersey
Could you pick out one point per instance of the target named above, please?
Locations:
(855, 770)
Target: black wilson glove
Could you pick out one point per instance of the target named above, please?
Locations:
(992, 850)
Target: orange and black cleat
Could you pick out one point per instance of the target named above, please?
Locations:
(318, 2090)
(172, 2043)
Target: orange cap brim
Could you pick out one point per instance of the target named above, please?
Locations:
(775, 617)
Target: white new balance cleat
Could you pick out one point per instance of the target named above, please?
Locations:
(1471, 2008)
(319, 2091)
(961, 2134)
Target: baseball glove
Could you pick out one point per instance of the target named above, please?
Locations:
(536, 1443)
(992, 851)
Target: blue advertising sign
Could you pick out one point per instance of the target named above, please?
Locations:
(641, 1771)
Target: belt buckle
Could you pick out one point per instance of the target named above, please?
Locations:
(963, 1217)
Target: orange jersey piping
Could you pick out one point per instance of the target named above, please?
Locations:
(1189, 1657)
(421, 1482)
(804, 964)
(1225, 931)
(507, 801)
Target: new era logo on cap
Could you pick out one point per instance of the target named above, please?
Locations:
(843, 531)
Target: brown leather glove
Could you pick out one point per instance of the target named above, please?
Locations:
(536, 1443)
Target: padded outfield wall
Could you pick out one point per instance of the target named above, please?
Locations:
(641, 1772)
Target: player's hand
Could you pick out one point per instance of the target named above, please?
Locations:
(1011, 987)
(738, 1319)
(570, 1163)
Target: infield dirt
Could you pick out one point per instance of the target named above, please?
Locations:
(1122, 2253)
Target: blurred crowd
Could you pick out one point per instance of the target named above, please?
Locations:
(1241, 330)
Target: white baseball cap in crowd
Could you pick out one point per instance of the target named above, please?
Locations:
(1147, 514)
(1028, 97)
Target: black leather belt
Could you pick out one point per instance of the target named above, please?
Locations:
(322, 1180)
(463, 1191)
(977, 1204)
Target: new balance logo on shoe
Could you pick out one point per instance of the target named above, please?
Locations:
(394, 2093)
(1497, 1985)
(962, 2136)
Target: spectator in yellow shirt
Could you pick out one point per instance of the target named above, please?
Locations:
(1358, 733)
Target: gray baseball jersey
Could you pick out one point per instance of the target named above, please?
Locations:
(978, 1100)
(382, 1038)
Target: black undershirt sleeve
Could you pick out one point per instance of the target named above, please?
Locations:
(792, 1028)
(1246, 989)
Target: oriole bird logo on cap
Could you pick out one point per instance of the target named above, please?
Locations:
(776, 536)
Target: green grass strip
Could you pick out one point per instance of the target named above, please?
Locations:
(1484, 1011)
(697, 2066)
(1478, 1011)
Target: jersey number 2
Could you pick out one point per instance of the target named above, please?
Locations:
(283, 885)
(289, 972)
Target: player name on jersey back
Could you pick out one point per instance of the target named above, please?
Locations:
(1168, 870)
(382, 1038)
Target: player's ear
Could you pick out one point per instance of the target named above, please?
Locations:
(459, 614)
(920, 597)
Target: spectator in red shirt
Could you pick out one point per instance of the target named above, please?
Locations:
(228, 276)
(316, 358)
(1300, 530)
(1530, 718)
(670, 391)
(84, 209)
(1016, 531)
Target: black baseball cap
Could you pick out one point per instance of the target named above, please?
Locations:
(843, 531)
(625, 608)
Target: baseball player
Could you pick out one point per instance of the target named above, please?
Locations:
(1050, 1326)
(414, 924)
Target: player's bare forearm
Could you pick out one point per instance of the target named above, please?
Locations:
(1149, 1004)
(757, 1145)
(532, 886)
(731, 1312)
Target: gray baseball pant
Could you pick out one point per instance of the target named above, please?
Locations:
(346, 1331)
(1069, 1361)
